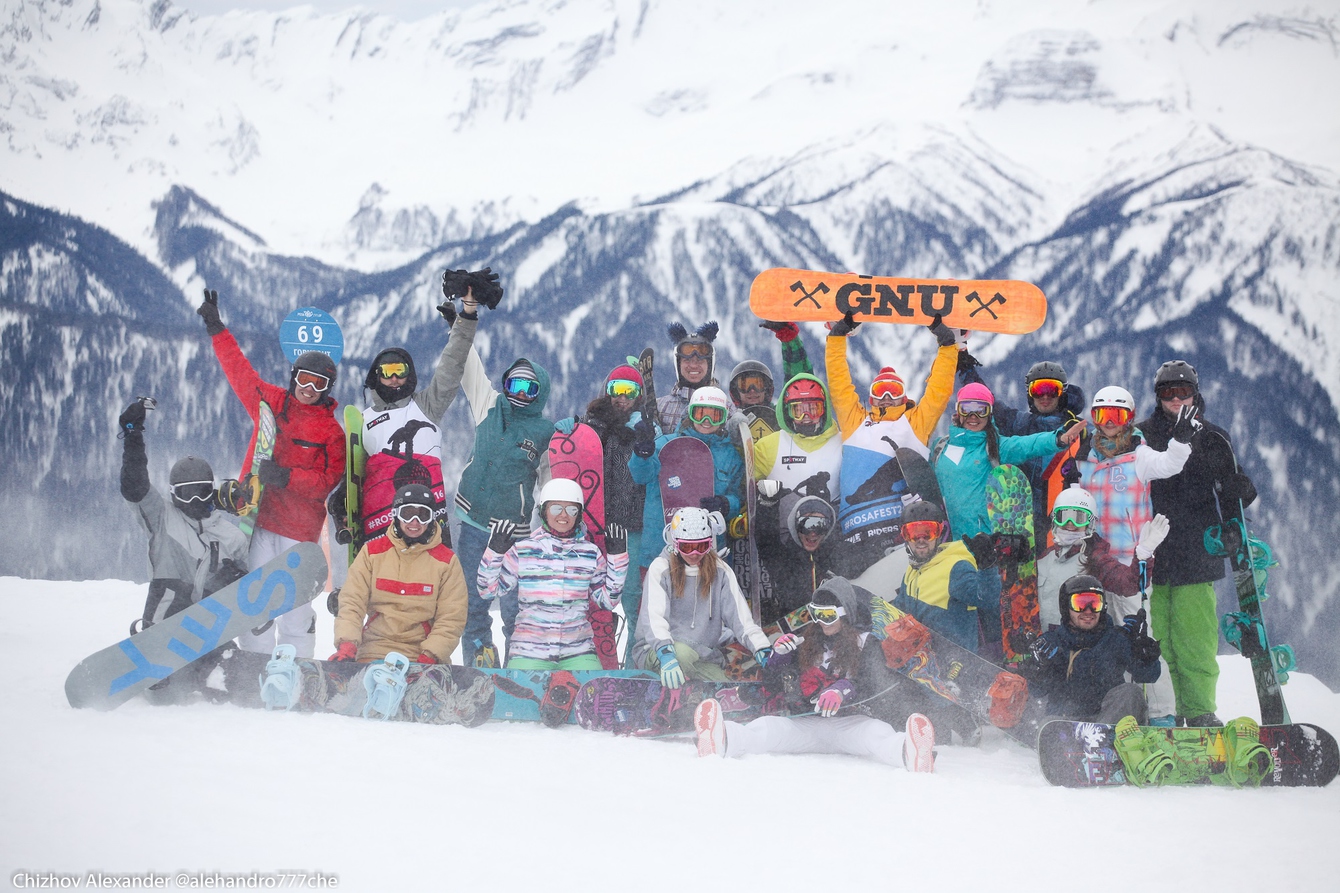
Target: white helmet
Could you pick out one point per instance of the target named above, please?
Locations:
(692, 523)
(1114, 396)
(709, 396)
(561, 490)
(1076, 497)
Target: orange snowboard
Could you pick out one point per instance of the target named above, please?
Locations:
(983, 305)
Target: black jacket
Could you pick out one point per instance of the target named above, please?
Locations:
(1075, 668)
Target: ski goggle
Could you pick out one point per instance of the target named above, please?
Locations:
(802, 410)
(555, 509)
(884, 387)
(193, 491)
(1110, 415)
(694, 351)
(407, 513)
(1075, 517)
(621, 387)
(304, 378)
(393, 370)
(526, 388)
(1045, 387)
(1086, 602)
(693, 547)
(974, 409)
(1175, 391)
(752, 384)
(701, 414)
(826, 614)
(815, 524)
(921, 530)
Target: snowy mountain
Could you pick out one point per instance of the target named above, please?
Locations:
(1165, 171)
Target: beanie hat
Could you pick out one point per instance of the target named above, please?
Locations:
(625, 372)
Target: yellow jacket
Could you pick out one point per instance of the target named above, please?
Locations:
(923, 415)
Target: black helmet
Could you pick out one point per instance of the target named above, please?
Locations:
(923, 510)
(313, 361)
(192, 485)
(414, 494)
(1077, 583)
(1176, 371)
(1045, 369)
(374, 381)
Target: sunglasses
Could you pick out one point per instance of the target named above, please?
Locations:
(694, 351)
(193, 491)
(1175, 391)
(522, 387)
(1111, 415)
(555, 509)
(407, 513)
(1045, 387)
(974, 409)
(393, 370)
(313, 380)
(693, 547)
(1086, 602)
(826, 614)
(621, 387)
(1073, 516)
(921, 530)
(800, 410)
(707, 415)
(886, 388)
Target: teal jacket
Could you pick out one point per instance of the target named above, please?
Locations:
(963, 482)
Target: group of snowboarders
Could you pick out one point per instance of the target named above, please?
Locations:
(812, 485)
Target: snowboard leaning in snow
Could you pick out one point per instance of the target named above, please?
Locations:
(116, 674)
(1082, 755)
(987, 305)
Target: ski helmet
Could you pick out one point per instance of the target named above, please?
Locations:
(923, 510)
(975, 391)
(1045, 369)
(191, 470)
(317, 362)
(693, 523)
(1176, 371)
(1075, 497)
(562, 490)
(1076, 584)
(192, 484)
(699, 342)
(710, 398)
(803, 389)
(751, 367)
(1112, 395)
(414, 494)
(374, 378)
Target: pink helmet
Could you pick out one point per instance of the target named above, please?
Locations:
(976, 391)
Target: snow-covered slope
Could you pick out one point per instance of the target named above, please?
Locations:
(388, 806)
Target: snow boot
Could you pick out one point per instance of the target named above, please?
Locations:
(282, 683)
(1247, 760)
(1142, 753)
(919, 744)
(385, 685)
(486, 656)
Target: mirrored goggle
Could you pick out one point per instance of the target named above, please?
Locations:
(314, 380)
(921, 530)
(555, 509)
(694, 351)
(751, 384)
(393, 370)
(886, 388)
(621, 387)
(522, 387)
(800, 410)
(1045, 387)
(814, 524)
(1090, 602)
(827, 614)
(1177, 391)
(193, 491)
(421, 513)
(1110, 415)
(707, 415)
(693, 547)
(975, 409)
(1075, 517)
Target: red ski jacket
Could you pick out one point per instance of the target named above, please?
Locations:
(308, 441)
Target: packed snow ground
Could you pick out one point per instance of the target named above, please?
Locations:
(389, 807)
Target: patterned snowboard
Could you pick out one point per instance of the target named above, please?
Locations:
(687, 475)
(1081, 755)
(520, 694)
(641, 707)
(1009, 506)
(355, 463)
(263, 448)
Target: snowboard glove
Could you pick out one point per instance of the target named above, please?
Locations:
(448, 310)
(769, 491)
(1152, 533)
(336, 502)
(485, 288)
(763, 655)
(1011, 547)
(209, 312)
(454, 284)
(233, 496)
(830, 699)
(132, 420)
(966, 363)
(943, 334)
(671, 674)
(501, 535)
(616, 539)
(425, 658)
(1186, 425)
(716, 504)
(1146, 650)
(1134, 624)
(982, 549)
(644, 439)
(345, 651)
(843, 327)
(1238, 487)
(272, 474)
(787, 642)
(566, 426)
(784, 332)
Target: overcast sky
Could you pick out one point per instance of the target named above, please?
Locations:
(408, 10)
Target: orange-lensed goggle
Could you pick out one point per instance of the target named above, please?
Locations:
(1110, 415)
(921, 530)
(1086, 602)
(1045, 387)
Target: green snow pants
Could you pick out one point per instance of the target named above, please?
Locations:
(1185, 621)
(689, 662)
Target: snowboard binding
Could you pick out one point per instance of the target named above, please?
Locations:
(385, 685)
(282, 683)
(1143, 755)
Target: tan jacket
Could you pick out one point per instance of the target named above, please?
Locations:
(413, 599)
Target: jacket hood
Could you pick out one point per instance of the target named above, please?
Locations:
(854, 599)
(811, 505)
(785, 424)
(535, 407)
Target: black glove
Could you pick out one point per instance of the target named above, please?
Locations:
(616, 539)
(644, 439)
(455, 283)
(1145, 650)
(1069, 472)
(966, 362)
(1238, 487)
(448, 310)
(336, 505)
(272, 474)
(500, 535)
(844, 326)
(982, 549)
(132, 420)
(1011, 547)
(1186, 425)
(783, 331)
(209, 312)
(485, 286)
(716, 504)
(942, 332)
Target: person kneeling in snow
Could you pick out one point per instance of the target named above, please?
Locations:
(831, 662)
(408, 586)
